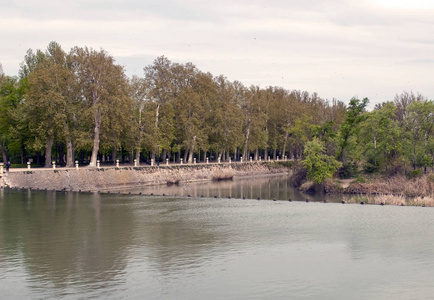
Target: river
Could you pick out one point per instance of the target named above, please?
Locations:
(64, 245)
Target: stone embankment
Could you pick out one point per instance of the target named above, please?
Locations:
(117, 178)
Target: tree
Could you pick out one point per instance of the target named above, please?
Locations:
(141, 116)
(318, 164)
(224, 119)
(421, 125)
(51, 102)
(160, 79)
(380, 138)
(104, 92)
(11, 96)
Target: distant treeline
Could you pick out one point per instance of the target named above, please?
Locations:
(80, 105)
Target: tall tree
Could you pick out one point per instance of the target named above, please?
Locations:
(103, 89)
(349, 127)
(50, 102)
(421, 125)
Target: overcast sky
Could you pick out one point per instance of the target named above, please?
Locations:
(339, 49)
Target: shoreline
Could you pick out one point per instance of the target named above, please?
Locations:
(94, 179)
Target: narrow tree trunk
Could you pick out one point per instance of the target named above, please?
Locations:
(48, 148)
(138, 156)
(190, 156)
(114, 155)
(163, 156)
(246, 143)
(23, 152)
(185, 156)
(131, 158)
(96, 132)
(4, 157)
(69, 152)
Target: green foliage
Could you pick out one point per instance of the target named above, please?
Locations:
(369, 168)
(81, 103)
(349, 128)
(415, 174)
(348, 170)
(319, 165)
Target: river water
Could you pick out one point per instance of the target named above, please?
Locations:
(56, 245)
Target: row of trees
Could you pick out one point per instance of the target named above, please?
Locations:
(81, 105)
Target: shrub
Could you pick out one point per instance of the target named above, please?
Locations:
(415, 174)
(348, 170)
(318, 164)
(299, 176)
(369, 168)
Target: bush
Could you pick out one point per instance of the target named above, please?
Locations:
(348, 170)
(415, 174)
(369, 168)
(299, 176)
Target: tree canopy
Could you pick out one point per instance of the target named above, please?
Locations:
(80, 105)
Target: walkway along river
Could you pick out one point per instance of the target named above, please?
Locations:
(94, 179)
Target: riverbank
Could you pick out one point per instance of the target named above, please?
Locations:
(396, 190)
(94, 179)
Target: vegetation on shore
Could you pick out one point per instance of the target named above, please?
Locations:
(80, 105)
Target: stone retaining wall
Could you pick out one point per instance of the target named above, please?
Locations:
(112, 178)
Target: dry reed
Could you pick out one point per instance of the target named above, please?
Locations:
(388, 199)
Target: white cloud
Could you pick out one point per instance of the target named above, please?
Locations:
(336, 48)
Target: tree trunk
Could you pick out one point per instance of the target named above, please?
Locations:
(48, 148)
(138, 156)
(5, 159)
(246, 143)
(190, 156)
(96, 133)
(114, 155)
(185, 156)
(164, 156)
(69, 152)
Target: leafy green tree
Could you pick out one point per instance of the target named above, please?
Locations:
(380, 138)
(104, 90)
(11, 96)
(160, 79)
(420, 122)
(224, 119)
(51, 102)
(141, 114)
(349, 127)
(318, 164)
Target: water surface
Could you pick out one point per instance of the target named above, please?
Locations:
(118, 246)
